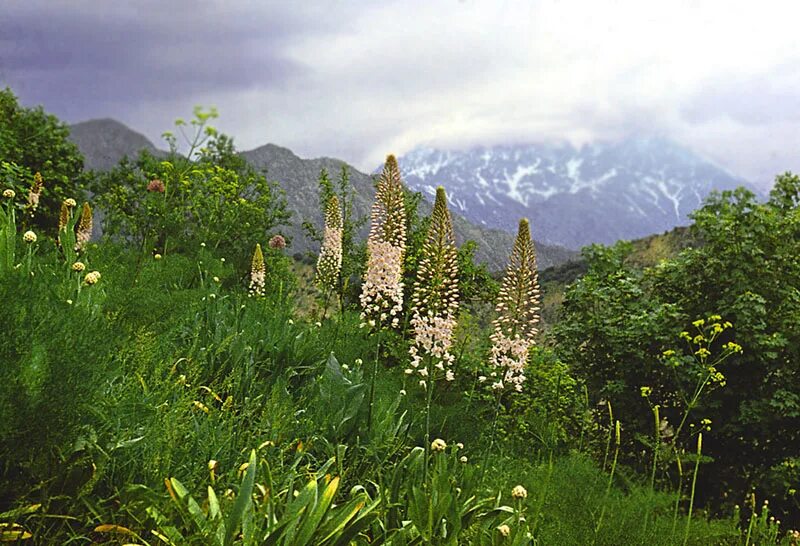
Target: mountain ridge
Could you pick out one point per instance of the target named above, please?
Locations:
(104, 142)
(597, 193)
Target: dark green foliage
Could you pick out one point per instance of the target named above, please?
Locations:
(38, 142)
(178, 204)
(618, 321)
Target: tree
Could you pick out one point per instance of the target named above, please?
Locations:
(621, 329)
(38, 142)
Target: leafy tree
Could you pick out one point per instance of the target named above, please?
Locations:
(36, 141)
(209, 197)
(621, 329)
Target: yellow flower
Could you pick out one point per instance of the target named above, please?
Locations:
(504, 529)
(78, 266)
(29, 237)
(438, 445)
(519, 492)
(70, 202)
(9, 193)
(92, 277)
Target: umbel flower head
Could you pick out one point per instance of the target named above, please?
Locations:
(435, 299)
(517, 312)
(9, 193)
(329, 263)
(29, 237)
(277, 242)
(258, 273)
(382, 291)
(84, 228)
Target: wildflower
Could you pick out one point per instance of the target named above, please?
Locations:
(517, 312)
(463, 459)
(92, 277)
(63, 218)
(382, 291)
(277, 242)
(156, 186)
(438, 445)
(213, 469)
(504, 529)
(78, 266)
(258, 273)
(200, 406)
(35, 191)
(69, 302)
(329, 263)
(402, 392)
(216, 279)
(29, 237)
(84, 227)
(459, 445)
(519, 492)
(9, 193)
(70, 202)
(157, 256)
(435, 298)
(645, 391)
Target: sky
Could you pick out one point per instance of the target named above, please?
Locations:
(358, 80)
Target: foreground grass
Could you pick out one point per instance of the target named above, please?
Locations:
(166, 375)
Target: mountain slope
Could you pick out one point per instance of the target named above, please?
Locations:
(598, 193)
(104, 142)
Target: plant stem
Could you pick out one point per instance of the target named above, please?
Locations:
(374, 380)
(694, 484)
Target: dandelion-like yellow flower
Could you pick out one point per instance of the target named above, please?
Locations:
(84, 228)
(78, 266)
(435, 299)
(9, 194)
(517, 312)
(93, 277)
(382, 290)
(258, 273)
(329, 263)
(29, 237)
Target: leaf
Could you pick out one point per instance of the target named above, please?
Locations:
(12, 532)
(116, 529)
(316, 514)
(242, 500)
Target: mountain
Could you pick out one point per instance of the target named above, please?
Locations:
(598, 193)
(104, 142)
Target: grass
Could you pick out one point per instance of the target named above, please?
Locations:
(167, 370)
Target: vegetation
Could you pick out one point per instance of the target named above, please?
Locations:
(163, 385)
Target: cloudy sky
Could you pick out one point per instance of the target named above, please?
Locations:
(357, 80)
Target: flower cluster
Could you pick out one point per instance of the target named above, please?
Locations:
(517, 313)
(9, 193)
(35, 192)
(329, 263)
(435, 299)
(29, 237)
(156, 186)
(258, 273)
(277, 242)
(382, 291)
(78, 266)
(84, 228)
(92, 277)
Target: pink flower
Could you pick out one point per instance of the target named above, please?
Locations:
(156, 186)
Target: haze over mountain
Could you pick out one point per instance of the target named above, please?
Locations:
(104, 142)
(598, 193)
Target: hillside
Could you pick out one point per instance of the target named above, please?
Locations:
(105, 142)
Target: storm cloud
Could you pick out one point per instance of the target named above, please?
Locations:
(359, 79)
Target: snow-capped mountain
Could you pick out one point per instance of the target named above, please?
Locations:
(573, 196)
